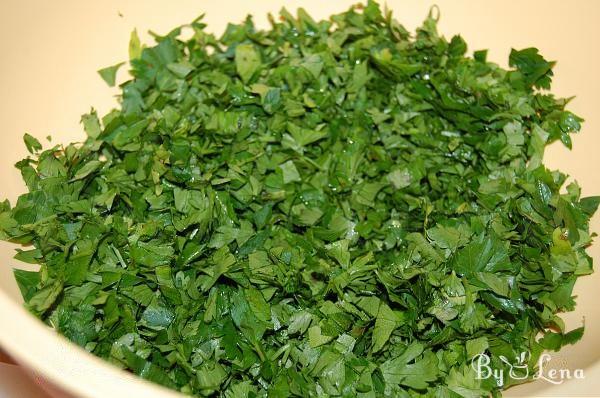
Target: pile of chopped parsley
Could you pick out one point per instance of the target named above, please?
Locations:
(322, 209)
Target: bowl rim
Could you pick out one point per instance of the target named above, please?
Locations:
(47, 354)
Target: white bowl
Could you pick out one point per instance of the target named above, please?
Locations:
(51, 50)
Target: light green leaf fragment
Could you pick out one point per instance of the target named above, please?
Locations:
(299, 322)
(247, 61)
(476, 346)
(385, 324)
(410, 370)
(360, 77)
(45, 297)
(91, 124)
(369, 304)
(399, 178)
(303, 136)
(365, 193)
(109, 74)
(316, 338)
(339, 251)
(210, 376)
(135, 46)
(32, 143)
(314, 64)
(242, 389)
(181, 69)
(290, 172)
(87, 169)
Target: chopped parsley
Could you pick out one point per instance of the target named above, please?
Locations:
(332, 208)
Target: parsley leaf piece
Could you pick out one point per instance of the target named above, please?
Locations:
(109, 74)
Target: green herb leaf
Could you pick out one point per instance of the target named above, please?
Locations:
(32, 144)
(135, 46)
(109, 74)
